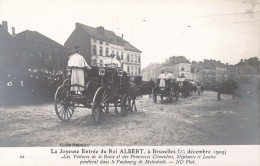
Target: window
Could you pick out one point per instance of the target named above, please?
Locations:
(131, 57)
(139, 59)
(135, 58)
(135, 70)
(139, 70)
(127, 58)
(131, 70)
(94, 50)
(101, 42)
(117, 54)
(182, 68)
(122, 56)
(107, 51)
(128, 69)
(182, 75)
(101, 51)
(94, 40)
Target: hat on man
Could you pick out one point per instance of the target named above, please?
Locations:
(76, 49)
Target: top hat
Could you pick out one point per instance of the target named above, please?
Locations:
(76, 48)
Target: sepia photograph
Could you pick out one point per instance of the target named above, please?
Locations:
(105, 73)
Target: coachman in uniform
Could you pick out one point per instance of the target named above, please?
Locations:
(77, 64)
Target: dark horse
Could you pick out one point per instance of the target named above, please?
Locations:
(131, 89)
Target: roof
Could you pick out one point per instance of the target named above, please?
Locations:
(35, 36)
(109, 36)
(5, 39)
(4, 35)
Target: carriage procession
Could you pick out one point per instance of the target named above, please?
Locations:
(106, 85)
(170, 88)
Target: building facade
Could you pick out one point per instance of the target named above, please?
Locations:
(248, 67)
(183, 70)
(97, 45)
(221, 74)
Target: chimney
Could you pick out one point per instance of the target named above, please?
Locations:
(122, 36)
(100, 28)
(5, 26)
(241, 60)
(13, 31)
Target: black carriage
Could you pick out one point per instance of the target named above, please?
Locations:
(186, 86)
(103, 86)
(170, 91)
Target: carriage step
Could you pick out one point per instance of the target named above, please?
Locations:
(77, 96)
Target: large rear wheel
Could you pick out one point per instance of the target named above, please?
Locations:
(99, 105)
(154, 95)
(63, 107)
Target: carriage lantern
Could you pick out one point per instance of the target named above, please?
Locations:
(101, 71)
(120, 73)
(68, 73)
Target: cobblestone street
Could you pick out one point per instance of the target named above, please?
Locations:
(196, 120)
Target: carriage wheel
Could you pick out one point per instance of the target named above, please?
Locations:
(154, 95)
(171, 95)
(125, 107)
(64, 109)
(176, 96)
(161, 97)
(99, 105)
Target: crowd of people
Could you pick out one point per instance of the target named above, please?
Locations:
(43, 82)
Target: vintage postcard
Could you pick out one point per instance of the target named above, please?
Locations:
(112, 82)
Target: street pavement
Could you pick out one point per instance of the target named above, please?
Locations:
(196, 120)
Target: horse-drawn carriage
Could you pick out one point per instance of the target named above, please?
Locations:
(170, 91)
(103, 86)
(186, 86)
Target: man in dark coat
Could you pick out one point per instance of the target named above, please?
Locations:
(218, 89)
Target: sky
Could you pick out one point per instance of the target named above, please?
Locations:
(225, 30)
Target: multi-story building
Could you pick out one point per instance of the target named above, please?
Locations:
(208, 76)
(248, 67)
(97, 45)
(221, 74)
(30, 50)
(183, 70)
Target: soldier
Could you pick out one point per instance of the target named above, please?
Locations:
(77, 64)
